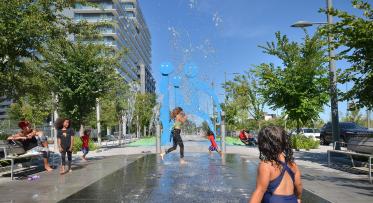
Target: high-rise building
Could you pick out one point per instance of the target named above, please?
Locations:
(128, 30)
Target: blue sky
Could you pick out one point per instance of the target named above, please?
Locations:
(223, 35)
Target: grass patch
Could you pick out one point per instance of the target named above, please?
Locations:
(4, 136)
(231, 141)
(146, 141)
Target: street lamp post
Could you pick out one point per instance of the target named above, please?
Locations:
(332, 75)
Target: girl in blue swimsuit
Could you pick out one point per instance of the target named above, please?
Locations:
(278, 179)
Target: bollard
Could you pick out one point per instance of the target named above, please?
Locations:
(158, 139)
(223, 148)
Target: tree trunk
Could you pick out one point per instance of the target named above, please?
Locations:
(298, 127)
(137, 127)
(81, 130)
(124, 126)
(108, 130)
(98, 122)
(119, 129)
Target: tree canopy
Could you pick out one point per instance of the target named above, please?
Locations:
(300, 86)
(354, 35)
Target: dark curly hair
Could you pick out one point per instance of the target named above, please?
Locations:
(175, 112)
(272, 141)
(59, 123)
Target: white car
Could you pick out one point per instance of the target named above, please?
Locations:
(309, 132)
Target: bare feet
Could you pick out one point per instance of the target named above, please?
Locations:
(62, 170)
(48, 168)
(162, 155)
(182, 161)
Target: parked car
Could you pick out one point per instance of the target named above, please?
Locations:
(346, 131)
(308, 132)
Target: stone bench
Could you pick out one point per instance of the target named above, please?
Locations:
(12, 158)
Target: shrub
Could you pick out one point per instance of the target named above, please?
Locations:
(4, 136)
(78, 145)
(300, 141)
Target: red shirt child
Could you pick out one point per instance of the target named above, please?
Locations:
(85, 143)
(85, 140)
(242, 135)
(211, 137)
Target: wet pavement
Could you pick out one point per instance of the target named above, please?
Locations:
(53, 187)
(203, 178)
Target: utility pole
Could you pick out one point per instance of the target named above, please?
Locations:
(333, 82)
(98, 121)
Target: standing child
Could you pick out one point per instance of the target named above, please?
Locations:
(278, 178)
(65, 138)
(213, 147)
(85, 143)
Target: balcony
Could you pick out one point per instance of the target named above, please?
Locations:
(110, 34)
(104, 8)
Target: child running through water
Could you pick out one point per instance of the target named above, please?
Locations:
(278, 178)
(85, 143)
(179, 117)
(213, 147)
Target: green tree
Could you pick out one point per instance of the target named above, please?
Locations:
(354, 35)
(189, 127)
(355, 116)
(25, 27)
(31, 108)
(244, 96)
(35, 104)
(144, 109)
(205, 126)
(114, 104)
(300, 87)
(80, 73)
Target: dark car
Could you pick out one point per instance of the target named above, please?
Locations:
(346, 131)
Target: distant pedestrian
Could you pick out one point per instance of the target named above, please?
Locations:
(65, 136)
(244, 137)
(278, 179)
(85, 143)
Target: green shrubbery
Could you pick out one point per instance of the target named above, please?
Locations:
(4, 136)
(78, 145)
(302, 142)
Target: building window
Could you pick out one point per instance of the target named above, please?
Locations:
(130, 14)
(129, 5)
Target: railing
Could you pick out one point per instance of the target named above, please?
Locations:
(351, 155)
